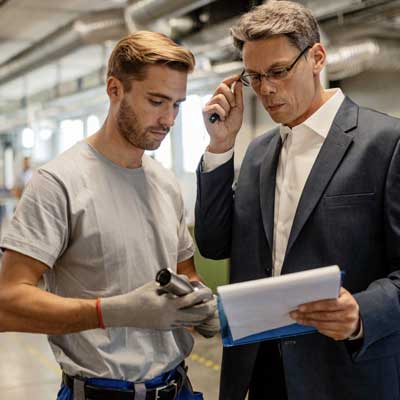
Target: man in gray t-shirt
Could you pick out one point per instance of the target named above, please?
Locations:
(97, 223)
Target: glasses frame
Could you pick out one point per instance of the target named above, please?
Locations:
(246, 78)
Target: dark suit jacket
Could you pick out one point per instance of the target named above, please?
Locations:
(348, 214)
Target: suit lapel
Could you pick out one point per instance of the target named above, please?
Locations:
(330, 156)
(267, 185)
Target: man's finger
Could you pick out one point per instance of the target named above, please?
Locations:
(222, 101)
(215, 109)
(332, 316)
(323, 325)
(321, 305)
(238, 92)
(226, 91)
(193, 298)
(230, 79)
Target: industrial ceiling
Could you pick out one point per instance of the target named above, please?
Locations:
(49, 49)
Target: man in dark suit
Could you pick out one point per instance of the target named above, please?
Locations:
(323, 188)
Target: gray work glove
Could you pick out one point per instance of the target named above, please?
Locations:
(211, 326)
(146, 308)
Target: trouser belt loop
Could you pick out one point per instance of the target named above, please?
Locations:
(79, 389)
(140, 391)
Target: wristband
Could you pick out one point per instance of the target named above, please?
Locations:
(99, 314)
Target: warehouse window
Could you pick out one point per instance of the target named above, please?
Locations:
(71, 132)
(92, 125)
(43, 146)
(28, 138)
(194, 135)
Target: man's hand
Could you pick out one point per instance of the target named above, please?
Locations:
(211, 326)
(229, 107)
(146, 308)
(338, 318)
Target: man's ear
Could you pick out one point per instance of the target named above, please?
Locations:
(318, 54)
(115, 89)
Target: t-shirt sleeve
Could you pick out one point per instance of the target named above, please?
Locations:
(39, 227)
(185, 246)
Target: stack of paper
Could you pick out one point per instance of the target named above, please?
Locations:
(264, 304)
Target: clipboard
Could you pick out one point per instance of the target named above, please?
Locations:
(285, 331)
(289, 330)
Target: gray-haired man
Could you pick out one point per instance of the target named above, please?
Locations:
(321, 189)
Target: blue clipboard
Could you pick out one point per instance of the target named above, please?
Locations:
(285, 331)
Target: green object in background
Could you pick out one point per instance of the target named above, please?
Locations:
(214, 272)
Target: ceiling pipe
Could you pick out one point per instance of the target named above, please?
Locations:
(326, 9)
(94, 28)
(144, 13)
(363, 55)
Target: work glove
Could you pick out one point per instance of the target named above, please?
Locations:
(211, 326)
(147, 308)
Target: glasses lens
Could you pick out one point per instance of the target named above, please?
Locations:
(278, 74)
(244, 79)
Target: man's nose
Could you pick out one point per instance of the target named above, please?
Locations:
(168, 118)
(266, 86)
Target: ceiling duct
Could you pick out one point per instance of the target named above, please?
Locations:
(91, 29)
(144, 13)
(214, 42)
(366, 55)
(327, 9)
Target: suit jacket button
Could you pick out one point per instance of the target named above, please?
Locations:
(267, 270)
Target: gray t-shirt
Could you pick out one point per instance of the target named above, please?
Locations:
(104, 230)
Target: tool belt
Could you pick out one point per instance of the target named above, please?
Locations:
(97, 389)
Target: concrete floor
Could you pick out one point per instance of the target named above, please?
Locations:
(28, 369)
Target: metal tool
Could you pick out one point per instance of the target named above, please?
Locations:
(173, 283)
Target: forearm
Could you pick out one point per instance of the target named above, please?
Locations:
(26, 308)
(188, 268)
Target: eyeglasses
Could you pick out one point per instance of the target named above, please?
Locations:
(274, 74)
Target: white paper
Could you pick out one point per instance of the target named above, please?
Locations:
(263, 304)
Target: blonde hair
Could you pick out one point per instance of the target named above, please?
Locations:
(133, 53)
(287, 18)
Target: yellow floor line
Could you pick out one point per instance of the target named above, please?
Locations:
(203, 361)
(52, 365)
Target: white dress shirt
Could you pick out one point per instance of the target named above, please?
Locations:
(301, 146)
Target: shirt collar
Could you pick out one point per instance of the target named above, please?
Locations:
(321, 121)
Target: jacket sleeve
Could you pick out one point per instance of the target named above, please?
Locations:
(380, 303)
(214, 211)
